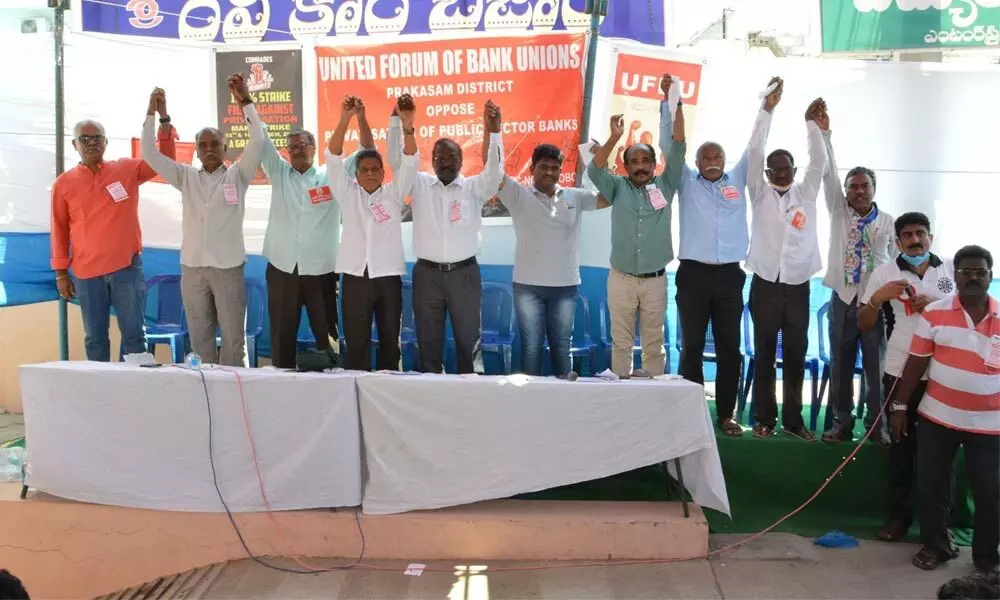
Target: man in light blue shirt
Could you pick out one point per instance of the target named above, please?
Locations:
(714, 239)
(301, 243)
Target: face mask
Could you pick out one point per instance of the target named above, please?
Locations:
(780, 188)
(916, 261)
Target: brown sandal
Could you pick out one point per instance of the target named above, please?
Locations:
(731, 428)
(928, 560)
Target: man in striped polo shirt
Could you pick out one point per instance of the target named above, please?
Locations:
(958, 340)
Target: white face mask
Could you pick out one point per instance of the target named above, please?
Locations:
(780, 188)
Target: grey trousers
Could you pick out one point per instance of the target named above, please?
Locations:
(844, 336)
(215, 299)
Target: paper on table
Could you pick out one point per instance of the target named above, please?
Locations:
(674, 94)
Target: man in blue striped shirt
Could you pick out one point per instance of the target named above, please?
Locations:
(714, 239)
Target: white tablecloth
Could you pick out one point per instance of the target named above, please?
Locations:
(132, 436)
(436, 441)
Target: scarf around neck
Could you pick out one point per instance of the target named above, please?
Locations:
(858, 257)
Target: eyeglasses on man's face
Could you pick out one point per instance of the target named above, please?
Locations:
(89, 139)
(298, 147)
(976, 273)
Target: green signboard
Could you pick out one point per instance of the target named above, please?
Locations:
(884, 25)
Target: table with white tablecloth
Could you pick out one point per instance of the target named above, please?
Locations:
(433, 441)
(133, 436)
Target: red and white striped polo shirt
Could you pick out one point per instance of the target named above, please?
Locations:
(963, 392)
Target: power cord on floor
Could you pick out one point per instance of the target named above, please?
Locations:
(358, 564)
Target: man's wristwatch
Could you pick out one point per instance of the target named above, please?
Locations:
(164, 120)
(897, 407)
(409, 131)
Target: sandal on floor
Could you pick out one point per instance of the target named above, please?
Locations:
(731, 428)
(763, 431)
(928, 560)
(893, 530)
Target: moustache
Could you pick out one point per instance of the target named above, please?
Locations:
(641, 173)
(915, 247)
(713, 169)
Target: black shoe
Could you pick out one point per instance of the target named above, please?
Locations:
(840, 432)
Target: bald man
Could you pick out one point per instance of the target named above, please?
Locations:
(212, 248)
(714, 239)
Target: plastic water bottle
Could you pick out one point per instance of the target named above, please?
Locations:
(11, 464)
(192, 360)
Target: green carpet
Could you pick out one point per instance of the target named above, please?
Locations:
(767, 479)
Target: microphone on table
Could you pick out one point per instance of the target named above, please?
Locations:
(571, 376)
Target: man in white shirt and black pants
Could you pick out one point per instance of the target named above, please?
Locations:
(212, 247)
(862, 238)
(371, 251)
(897, 293)
(784, 255)
(447, 216)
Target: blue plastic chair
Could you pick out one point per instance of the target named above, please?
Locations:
(166, 322)
(709, 355)
(605, 322)
(811, 365)
(497, 335)
(823, 321)
(256, 305)
(581, 345)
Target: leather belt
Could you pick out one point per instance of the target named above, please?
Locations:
(648, 275)
(446, 267)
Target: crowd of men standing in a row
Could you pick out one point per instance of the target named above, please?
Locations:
(940, 371)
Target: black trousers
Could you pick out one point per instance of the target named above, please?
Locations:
(937, 446)
(457, 293)
(778, 307)
(712, 293)
(903, 454)
(287, 293)
(363, 298)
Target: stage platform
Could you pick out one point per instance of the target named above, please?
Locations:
(65, 549)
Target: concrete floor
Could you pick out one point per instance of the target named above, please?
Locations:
(774, 567)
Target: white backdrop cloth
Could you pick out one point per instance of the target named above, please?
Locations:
(132, 436)
(433, 441)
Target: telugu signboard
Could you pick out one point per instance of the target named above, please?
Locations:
(864, 26)
(275, 82)
(536, 81)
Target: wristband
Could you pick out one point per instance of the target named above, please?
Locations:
(59, 277)
(409, 131)
(896, 407)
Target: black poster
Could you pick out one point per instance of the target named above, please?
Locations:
(275, 81)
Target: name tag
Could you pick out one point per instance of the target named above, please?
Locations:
(456, 211)
(321, 194)
(655, 197)
(799, 220)
(730, 193)
(379, 212)
(117, 191)
(993, 353)
(229, 190)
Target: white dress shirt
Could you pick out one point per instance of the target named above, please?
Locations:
(781, 252)
(214, 203)
(435, 236)
(881, 231)
(367, 243)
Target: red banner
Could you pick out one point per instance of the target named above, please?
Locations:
(536, 81)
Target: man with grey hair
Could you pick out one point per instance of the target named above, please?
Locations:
(301, 242)
(95, 233)
(212, 247)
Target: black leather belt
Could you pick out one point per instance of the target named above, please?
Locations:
(446, 267)
(719, 266)
(648, 275)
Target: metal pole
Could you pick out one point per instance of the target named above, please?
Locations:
(596, 9)
(59, 26)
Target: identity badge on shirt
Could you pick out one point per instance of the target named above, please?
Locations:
(117, 191)
(380, 213)
(321, 194)
(229, 189)
(456, 211)
(730, 193)
(993, 353)
(799, 220)
(655, 197)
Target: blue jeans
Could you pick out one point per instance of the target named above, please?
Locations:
(545, 310)
(125, 292)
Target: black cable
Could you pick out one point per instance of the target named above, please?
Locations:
(229, 513)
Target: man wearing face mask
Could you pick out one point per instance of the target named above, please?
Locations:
(371, 257)
(546, 258)
(212, 248)
(957, 344)
(861, 240)
(95, 211)
(784, 254)
(641, 243)
(447, 216)
(301, 242)
(714, 239)
(897, 292)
